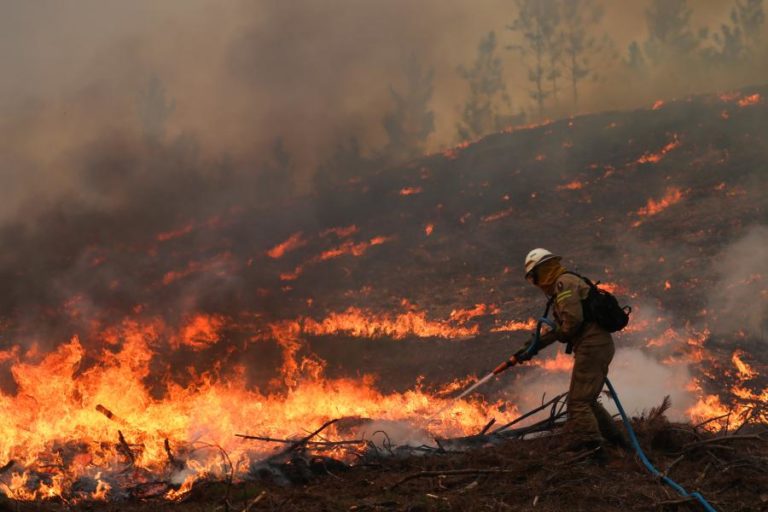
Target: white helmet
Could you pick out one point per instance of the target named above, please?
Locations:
(537, 257)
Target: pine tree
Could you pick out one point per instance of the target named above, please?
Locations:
(277, 173)
(411, 122)
(154, 110)
(669, 31)
(487, 91)
(536, 23)
(580, 48)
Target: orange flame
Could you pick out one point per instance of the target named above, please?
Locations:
(409, 191)
(493, 217)
(750, 100)
(654, 158)
(341, 232)
(573, 185)
(170, 235)
(292, 243)
(671, 196)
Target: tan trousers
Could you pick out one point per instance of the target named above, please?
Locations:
(587, 418)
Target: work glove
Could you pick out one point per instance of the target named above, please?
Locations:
(523, 354)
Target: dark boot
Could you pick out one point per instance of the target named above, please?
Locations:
(608, 428)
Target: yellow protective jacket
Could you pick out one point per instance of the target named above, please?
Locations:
(569, 291)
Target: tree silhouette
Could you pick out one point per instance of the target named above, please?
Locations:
(411, 121)
(580, 48)
(154, 110)
(737, 41)
(277, 173)
(481, 112)
(669, 31)
(536, 23)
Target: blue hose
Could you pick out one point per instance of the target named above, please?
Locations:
(677, 487)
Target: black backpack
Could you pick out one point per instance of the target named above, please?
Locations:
(602, 307)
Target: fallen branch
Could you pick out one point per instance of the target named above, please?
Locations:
(174, 462)
(124, 448)
(309, 443)
(487, 426)
(451, 472)
(110, 415)
(301, 442)
(710, 420)
(696, 444)
(255, 501)
(529, 413)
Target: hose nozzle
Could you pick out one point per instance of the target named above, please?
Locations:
(509, 363)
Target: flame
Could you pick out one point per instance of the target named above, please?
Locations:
(453, 153)
(341, 232)
(362, 323)
(170, 235)
(201, 331)
(728, 97)
(292, 243)
(745, 371)
(464, 315)
(750, 100)
(657, 105)
(221, 265)
(514, 325)
(493, 217)
(346, 248)
(428, 229)
(409, 191)
(560, 363)
(654, 158)
(573, 185)
(73, 420)
(671, 196)
(708, 407)
(354, 249)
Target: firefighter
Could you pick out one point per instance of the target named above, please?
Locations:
(588, 421)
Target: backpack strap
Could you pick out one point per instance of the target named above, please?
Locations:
(569, 345)
(585, 279)
(550, 301)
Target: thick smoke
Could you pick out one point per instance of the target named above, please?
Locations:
(738, 299)
(234, 79)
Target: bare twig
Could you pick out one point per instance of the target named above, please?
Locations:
(255, 501)
(124, 448)
(673, 464)
(451, 472)
(710, 420)
(301, 442)
(487, 426)
(308, 443)
(529, 413)
(696, 444)
(173, 461)
(110, 415)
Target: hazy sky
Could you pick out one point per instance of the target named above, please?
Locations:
(241, 73)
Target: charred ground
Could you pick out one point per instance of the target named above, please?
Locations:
(648, 199)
